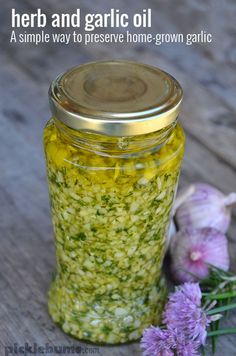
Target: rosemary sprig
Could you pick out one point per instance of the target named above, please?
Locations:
(219, 296)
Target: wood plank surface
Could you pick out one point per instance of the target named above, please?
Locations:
(208, 76)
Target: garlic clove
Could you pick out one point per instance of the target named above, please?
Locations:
(182, 197)
(178, 201)
(193, 250)
(172, 229)
(206, 206)
(170, 233)
(230, 200)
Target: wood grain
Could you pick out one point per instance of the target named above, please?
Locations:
(207, 74)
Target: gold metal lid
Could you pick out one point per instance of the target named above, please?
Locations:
(116, 98)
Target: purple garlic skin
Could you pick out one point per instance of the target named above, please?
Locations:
(205, 207)
(193, 250)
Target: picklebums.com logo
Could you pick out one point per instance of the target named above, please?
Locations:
(47, 349)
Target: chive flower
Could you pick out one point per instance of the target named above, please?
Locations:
(184, 313)
(185, 325)
(156, 342)
(167, 342)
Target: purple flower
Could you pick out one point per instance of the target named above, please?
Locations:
(168, 342)
(184, 313)
(185, 325)
(184, 346)
(187, 349)
(192, 291)
(156, 342)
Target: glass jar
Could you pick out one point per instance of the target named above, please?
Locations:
(113, 152)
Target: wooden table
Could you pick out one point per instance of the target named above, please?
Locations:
(208, 76)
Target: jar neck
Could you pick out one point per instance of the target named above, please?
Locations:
(115, 145)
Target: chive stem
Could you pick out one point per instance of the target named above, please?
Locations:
(212, 296)
(221, 309)
(221, 332)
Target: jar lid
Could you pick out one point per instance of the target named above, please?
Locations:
(116, 98)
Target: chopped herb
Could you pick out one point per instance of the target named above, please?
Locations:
(106, 329)
(80, 236)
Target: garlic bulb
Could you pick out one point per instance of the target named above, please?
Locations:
(205, 207)
(193, 250)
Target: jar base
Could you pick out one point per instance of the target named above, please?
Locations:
(119, 325)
